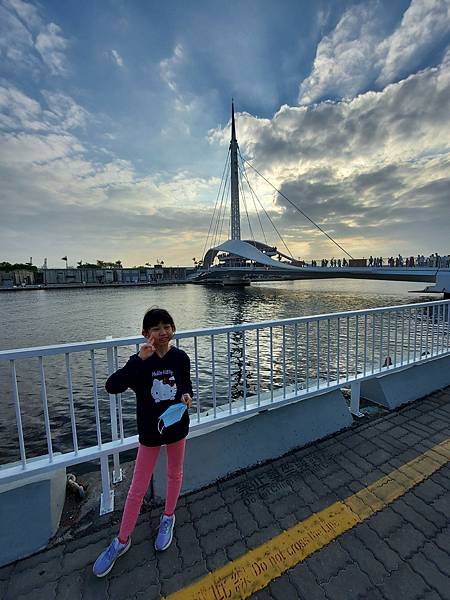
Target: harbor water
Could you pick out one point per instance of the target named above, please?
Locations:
(41, 317)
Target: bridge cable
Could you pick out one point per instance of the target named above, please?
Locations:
(212, 221)
(226, 212)
(219, 210)
(256, 208)
(297, 208)
(227, 199)
(224, 190)
(266, 213)
(220, 205)
(253, 194)
(225, 170)
(268, 216)
(227, 196)
(246, 211)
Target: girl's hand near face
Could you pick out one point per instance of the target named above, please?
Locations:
(147, 349)
(186, 399)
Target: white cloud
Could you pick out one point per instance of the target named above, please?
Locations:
(356, 54)
(98, 209)
(26, 41)
(64, 110)
(169, 65)
(344, 59)
(59, 114)
(55, 159)
(51, 45)
(26, 149)
(50, 178)
(117, 58)
(26, 12)
(18, 111)
(405, 120)
(185, 189)
(424, 25)
(16, 40)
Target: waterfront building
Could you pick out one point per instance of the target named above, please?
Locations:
(17, 278)
(93, 276)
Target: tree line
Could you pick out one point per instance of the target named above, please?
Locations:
(7, 267)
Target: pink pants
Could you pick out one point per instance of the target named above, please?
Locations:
(143, 471)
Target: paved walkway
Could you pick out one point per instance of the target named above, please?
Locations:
(398, 547)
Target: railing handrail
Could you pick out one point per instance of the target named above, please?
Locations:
(14, 354)
(431, 270)
(337, 349)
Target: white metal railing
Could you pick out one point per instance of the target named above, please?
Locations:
(236, 371)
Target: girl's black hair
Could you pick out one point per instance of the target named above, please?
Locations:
(155, 316)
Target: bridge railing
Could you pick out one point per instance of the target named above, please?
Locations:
(57, 412)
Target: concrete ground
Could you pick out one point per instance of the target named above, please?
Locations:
(402, 551)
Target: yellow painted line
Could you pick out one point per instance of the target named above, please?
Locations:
(254, 570)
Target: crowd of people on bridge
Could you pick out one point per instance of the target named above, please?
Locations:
(434, 260)
(376, 262)
(332, 263)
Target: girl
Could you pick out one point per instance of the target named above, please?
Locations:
(160, 377)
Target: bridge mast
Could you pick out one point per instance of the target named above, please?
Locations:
(235, 217)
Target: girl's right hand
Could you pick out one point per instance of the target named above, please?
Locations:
(147, 349)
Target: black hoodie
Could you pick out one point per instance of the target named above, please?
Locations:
(158, 383)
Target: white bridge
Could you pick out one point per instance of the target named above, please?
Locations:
(261, 267)
(242, 261)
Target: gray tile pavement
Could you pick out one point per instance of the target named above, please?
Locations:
(401, 552)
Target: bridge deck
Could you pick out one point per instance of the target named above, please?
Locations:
(425, 274)
(283, 526)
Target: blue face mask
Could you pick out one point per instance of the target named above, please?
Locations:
(170, 416)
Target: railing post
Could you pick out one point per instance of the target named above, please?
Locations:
(213, 375)
(117, 471)
(355, 397)
(107, 495)
(426, 315)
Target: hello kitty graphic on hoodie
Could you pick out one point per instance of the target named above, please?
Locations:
(158, 383)
(165, 389)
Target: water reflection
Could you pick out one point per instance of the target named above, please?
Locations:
(287, 356)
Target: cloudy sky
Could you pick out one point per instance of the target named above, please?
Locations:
(114, 125)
